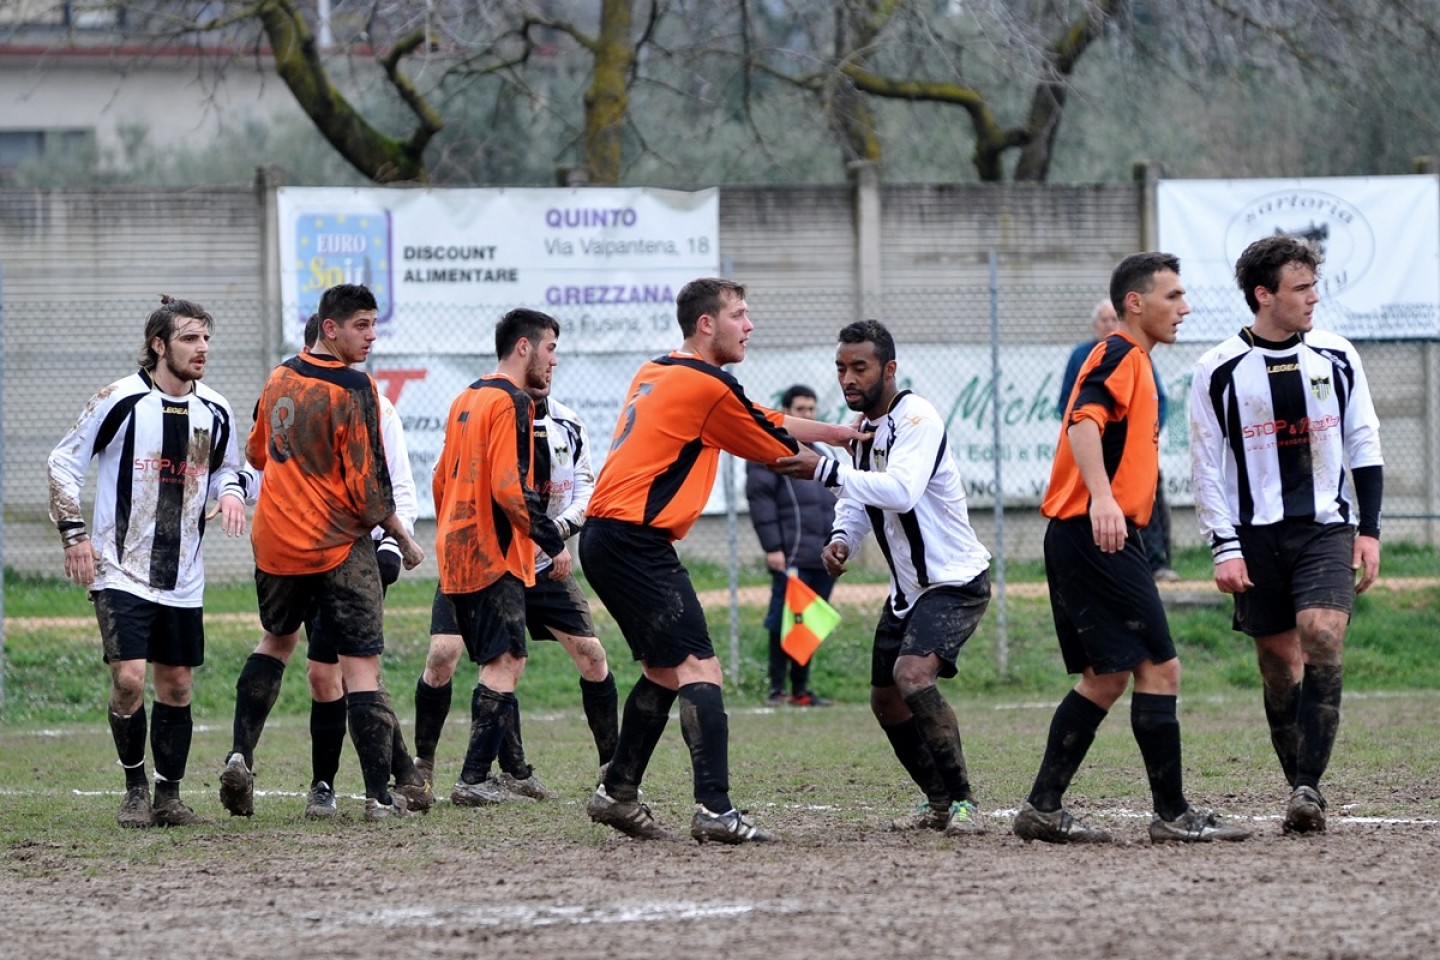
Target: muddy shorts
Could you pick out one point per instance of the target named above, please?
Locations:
(637, 575)
(346, 602)
(557, 603)
(491, 621)
(940, 622)
(1107, 610)
(318, 641)
(133, 628)
(1295, 565)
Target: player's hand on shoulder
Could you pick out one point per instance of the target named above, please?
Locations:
(800, 465)
(561, 565)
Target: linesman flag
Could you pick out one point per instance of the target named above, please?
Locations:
(807, 620)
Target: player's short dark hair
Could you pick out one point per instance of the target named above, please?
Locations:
(870, 331)
(521, 324)
(1261, 262)
(793, 393)
(1136, 274)
(344, 300)
(312, 329)
(162, 324)
(699, 297)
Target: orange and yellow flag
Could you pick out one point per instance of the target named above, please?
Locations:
(807, 620)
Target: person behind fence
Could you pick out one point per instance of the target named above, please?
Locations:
(902, 484)
(555, 609)
(317, 439)
(792, 519)
(489, 522)
(1285, 455)
(1156, 534)
(681, 410)
(165, 444)
(1108, 616)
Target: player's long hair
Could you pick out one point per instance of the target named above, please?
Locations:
(162, 324)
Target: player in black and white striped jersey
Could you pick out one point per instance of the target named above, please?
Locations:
(1286, 463)
(165, 444)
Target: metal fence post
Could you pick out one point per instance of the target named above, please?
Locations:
(1002, 636)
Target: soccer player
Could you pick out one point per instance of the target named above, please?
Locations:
(317, 439)
(1108, 615)
(489, 522)
(681, 410)
(902, 484)
(166, 443)
(1285, 454)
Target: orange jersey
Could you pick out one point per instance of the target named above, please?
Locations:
(1116, 389)
(317, 439)
(665, 451)
(488, 519)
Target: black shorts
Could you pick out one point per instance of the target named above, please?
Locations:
(1107, 610)
(319, 641)
(637, 575)
(346, 601)
(133, 628)
(491, 620)
(940, 622)
(1295, 565)
(557, 603)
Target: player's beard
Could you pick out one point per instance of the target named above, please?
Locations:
(184, 375)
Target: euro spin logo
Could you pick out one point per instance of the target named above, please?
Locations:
(343, 247)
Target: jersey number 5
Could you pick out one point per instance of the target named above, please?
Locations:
(624, 434)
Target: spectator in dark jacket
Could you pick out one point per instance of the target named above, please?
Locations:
(792, 518)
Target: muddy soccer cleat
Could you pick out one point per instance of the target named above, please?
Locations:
(172, 812)
(418, 792)
(964, 820)
(486, 793)
(320, 802)
(530, 787)
(1195, 825)
(1055, 826)
(426, 769)
(237, 787)
(630, 817)
(375, 811)
(728, 827)
(1305, 812)
(135, 810)
(924, 817)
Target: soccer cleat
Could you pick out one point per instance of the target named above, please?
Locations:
(135, 810)
(426, 769)
(486, 793)
(808, 699)
(728, 827)
(320, 802)
(964, 820)
(237, 787)
(630, 817)
(172, 812)
(418, 791)
(1305, 812)
(530, 787)
(375, 811)
(1195, 825)
(604, 769)
(777, 698)
(1054, 826)
(923, 817)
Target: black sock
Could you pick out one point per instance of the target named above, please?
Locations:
(372, 729)
(706, 729)
(487, 710)
(914, 756)
(402, 765)
(938, 727)
(1072, 730)
(432, 706)
(647, 711)
(327, 739)
(170, 737)
(1157, 731)
(602, 702)
(129, 735)
(1319, 721)
(255, 693)
(1282, 713)
(512, 744)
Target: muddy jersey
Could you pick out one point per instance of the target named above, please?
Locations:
(317, 439)
(564, 477)
(680, 412)
(1273, 428)
(1116, 390)
(903, 484)
(488, 517)
(160, 458)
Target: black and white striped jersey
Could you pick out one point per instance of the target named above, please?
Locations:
(904, 485)
(1275, 429)
(564, 477)
(160, 459)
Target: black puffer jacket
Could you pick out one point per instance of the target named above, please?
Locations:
(793, 516)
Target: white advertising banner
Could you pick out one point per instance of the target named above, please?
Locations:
(1380, 238)
(446, 264)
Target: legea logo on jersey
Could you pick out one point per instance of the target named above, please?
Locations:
(351, 246)
(1335, 226)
